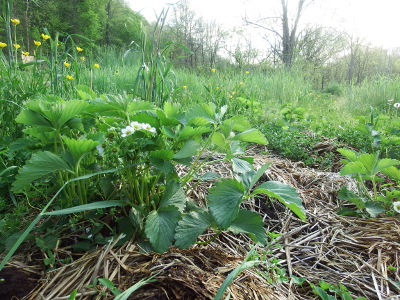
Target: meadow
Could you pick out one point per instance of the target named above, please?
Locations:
(91, 140)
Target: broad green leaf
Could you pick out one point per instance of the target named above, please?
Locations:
(162, 154)
(349, 154)
(345, 194)
(139, 105)
(224, 200)
(258, 174)
(163, 165)
(33, 118)
(284, 193)
(324, 295)
(160, 227)
(190, 227)
(345, 211)
(240, 166)
(219, 140)
(249, 222)
(85, 207)
(373, 208)
(238, 123)
(392, 172)
(206, 111)
(385, 163)
(69, 110)
(164, 120)
(40, 164)
(251, 136)
(189, 149)
(353, 168)
(189, 131)
(173, 195)
(85, 92)
(79, 148)
(199, 121)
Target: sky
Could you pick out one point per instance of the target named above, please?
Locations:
(376, 20)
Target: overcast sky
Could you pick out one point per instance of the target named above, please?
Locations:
(378, 20)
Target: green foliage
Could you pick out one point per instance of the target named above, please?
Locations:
(340, 291)
(368, 167)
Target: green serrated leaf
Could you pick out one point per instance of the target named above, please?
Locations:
(349, 154)
(162, 154)
(240, 166)
(251, 136)
(40, 164)
(173, 195)
(79, 148)
(353, 168)
(160, 227)
(189, 131)
(189, 149)
(284, 193)
(238, 123)
(190, 227)
(224, 200)
(373, 208)
(249, 222)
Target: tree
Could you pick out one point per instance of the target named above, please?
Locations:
(285, 40)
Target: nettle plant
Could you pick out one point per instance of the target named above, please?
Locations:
(126, 150)
(370, 168)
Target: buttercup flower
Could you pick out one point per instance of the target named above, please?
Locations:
(25, 53)
(79, 49)
(184, 86)
(136, 125)
(127, 131)
(17, 46)
(45, 36)
(396, 206)
(2, 45)
(241, 83)
(66, 64)
(397, 105)
(37, 43)
(15, 21)
(69, 77)
(96, 66)
(213, 70)
(247, 72)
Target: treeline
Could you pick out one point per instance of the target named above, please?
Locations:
(101, 22)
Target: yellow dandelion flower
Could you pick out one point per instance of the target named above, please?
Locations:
(213, 70)
(79, 49)
(96, 66)
(37, 43)
(247, 72)
(67, 65)
(2, 45)
(17, 46)
(69, 77)
(45, 36)
(15, 21)
(25, 53)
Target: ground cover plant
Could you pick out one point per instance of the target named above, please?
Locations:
(93, 139)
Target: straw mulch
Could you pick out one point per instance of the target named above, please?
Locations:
(352, 251)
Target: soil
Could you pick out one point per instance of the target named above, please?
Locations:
(16, 283)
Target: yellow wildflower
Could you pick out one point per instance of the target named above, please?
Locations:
(96, 66)
(241, 83)
(82, 58)
(15, 21)
(66, 64)
(184, 86)
(247, 72)
(213, 70)
(37, 43)
(233, 93)
(2, 45)
(25, 53)
(17, 46)
(79, 49)
(69, 77)
(45, 36)
(217, 88)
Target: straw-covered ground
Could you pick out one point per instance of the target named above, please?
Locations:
(353, 251)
